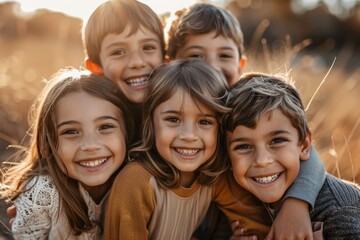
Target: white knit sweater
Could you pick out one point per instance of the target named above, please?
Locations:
(39, 216)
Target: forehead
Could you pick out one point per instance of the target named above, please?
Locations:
(182, 101)
(210, 40)
(82, 104)
(141, 34)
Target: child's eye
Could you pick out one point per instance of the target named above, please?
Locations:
(242, 147)
(205, 122)
(118, 52)
(69, 132)
(196, 55)
(278, 140)
(224, 55)
(106, 126)
(149, 47)
(173, 119)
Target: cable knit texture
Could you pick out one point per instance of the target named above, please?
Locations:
(39, 214)
(338, 207)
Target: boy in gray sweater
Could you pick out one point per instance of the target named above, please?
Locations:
(267, 137)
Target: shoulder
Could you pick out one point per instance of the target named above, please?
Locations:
(345, 192)
(133, 176)
(337, 199)
(39, 191)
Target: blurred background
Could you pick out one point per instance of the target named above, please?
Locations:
(317, 42)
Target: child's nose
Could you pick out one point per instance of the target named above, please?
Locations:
(90, 143)
(263, 157)
(188, 132)
(213, 62)
(136, 60)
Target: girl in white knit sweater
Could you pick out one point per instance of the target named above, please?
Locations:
(78, 142)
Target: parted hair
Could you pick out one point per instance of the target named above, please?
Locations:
(114, 16)
(203, 18)
(40, 156)
(206, 86)
(256, 94)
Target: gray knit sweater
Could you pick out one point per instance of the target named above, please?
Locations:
(338, 206)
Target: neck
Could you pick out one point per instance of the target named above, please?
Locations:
(187, 179)
(97, 193)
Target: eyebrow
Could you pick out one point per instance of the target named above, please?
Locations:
(120, 43)
(273, 133)
(77, 122)
(201, 47)
(179, 113)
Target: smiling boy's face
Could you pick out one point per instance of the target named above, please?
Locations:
(128, 60)
(220, 52)
(266, 159)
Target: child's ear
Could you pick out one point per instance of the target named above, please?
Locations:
(306, 146)
(93, 67)
(242, 63)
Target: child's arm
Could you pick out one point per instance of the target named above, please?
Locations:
(309, 181)
(240, 205)
(34, 210)
(129, 206)
(294, 212)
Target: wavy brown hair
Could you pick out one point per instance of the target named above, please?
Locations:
(40, 156)
(207, 87)
(258, 93)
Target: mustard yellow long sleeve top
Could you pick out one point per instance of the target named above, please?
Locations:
(138, 208)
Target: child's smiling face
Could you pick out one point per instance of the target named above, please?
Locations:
(266, 159)
(186, 134)
(128, 60)
(218, 51)
(91, 138)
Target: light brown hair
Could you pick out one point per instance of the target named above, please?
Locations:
(206, 86)
(114, 16)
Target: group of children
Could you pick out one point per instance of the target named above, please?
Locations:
(144, 154)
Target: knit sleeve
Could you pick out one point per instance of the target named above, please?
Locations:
(343, 223)
(35, 208)
(309, 181)
(131, 203)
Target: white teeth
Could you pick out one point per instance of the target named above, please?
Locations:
(187, 152)
(93, 163)
(137, 81)
(267, 179)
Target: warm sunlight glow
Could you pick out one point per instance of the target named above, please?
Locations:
(83, 8)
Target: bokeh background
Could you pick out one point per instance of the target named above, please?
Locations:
(316, 42)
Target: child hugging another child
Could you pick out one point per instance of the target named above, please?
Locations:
(213, 35)
(267, 138)
(78, 143)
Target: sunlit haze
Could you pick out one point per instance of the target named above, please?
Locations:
(83, 8)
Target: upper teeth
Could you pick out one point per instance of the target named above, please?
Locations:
(92, 163)
(267, 179)
(188, 152)
(137, 81)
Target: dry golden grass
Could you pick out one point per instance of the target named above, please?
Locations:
(333, 114)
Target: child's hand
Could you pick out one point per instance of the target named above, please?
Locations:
(238, 232)
(292, 222)
(11, 212)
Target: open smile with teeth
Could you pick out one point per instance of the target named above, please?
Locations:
(93, 163)
(187, 152)
(137, 81)
(267, 179)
